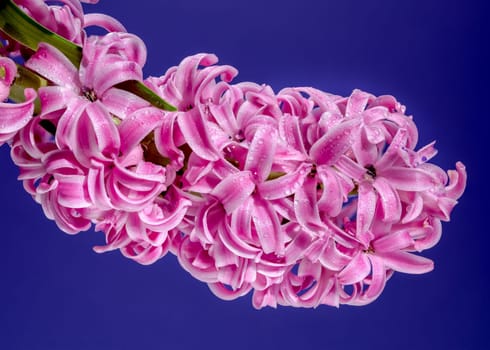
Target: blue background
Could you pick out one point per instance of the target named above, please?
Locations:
(56, 293)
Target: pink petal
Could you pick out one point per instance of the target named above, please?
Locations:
(137, 126)
(357, 102)
(185, 78)
(365, 152)
(350, 168)
(407, 262)
(373, 115)
(289, 130)
(378, 278)
(122, 103)
(457, 181)
(55, 98)
(414, 208)
(263, 298)
(393, 242)
(332, 258)
(389, 200)
(335, 190)
(365, 208)
(261, 153)
(133, 189)
(197, 261)
(66, 129)
(224, 116)
(97, 135)
(357, 270)
(195, 132)
(408, 179)
(285, 185)
(143, 253)
(72, 191)
(432, 237)
(111, 59)
(267, 226)
(297, 248)
(167, 143)
(392, 153)
(241, 221)
(234, 190)
(8, 71)
(14, 116)
(50, 63)
(207, 220)
(96, 187)
(164, 219)
(331, 146)
(111, 73)
(236, 245)
(101, 20)
(226, 294)
(305, 205)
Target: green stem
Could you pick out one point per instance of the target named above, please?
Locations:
(17, 25)
(141, 90)
(275, 174)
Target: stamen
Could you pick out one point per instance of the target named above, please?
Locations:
(371, 171)
(90, 95)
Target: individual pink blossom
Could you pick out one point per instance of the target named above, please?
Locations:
(28, 149)
(81, 104)
(144, 235)
(130, 184)
(62, 192)
(370, 268)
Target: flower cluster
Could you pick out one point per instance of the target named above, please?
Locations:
(302, 197)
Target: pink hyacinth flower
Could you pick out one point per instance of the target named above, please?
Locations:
(81, 103)
(144, 235)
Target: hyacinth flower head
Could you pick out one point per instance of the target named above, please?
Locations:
(301, 197)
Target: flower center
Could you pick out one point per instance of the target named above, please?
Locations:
(90, 95)
(371, 171)
(313, 171)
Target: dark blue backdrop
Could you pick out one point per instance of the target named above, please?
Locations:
(55, 293)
